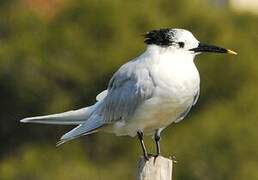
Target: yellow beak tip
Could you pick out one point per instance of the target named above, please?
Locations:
(231, 52)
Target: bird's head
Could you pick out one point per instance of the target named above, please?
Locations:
(181, 40)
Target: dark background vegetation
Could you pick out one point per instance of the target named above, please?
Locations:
(58, 55)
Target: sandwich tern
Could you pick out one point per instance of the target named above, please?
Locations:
(146, 94)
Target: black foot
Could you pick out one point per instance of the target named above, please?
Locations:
(146, 157)
(140, 137)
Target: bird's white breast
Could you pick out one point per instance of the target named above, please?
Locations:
(175, 76)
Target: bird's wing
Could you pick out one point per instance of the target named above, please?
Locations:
(130, 86)
(184, 114)
(90, 126)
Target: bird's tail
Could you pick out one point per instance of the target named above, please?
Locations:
(88, 121)
(74, 117)
(92, 125)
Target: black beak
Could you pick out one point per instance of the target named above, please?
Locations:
(210, 48)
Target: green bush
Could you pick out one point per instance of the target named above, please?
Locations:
(53, 62)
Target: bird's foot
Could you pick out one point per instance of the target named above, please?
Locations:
(173, 158)
(156, 156)
(146, 156)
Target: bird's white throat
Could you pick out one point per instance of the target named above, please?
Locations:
(171, 65)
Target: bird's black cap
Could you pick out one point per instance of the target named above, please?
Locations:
(161, 37)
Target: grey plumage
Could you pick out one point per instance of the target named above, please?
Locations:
(128, 88)
(88, 127)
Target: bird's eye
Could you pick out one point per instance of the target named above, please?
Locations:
(181, 44)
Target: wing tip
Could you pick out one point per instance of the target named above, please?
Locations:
(59, 143)
(25, 120)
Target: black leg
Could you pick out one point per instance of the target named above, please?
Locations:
(140, 137)
(157, 139)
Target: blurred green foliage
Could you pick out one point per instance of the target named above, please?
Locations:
(57, 59)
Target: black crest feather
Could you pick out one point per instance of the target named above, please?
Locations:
(161, 37)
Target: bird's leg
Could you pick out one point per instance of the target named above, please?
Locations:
(140, 137)
(157, 139)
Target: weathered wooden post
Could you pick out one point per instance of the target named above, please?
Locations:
(156, 168)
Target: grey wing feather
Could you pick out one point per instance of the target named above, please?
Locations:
(90, 126)
(128, 88)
